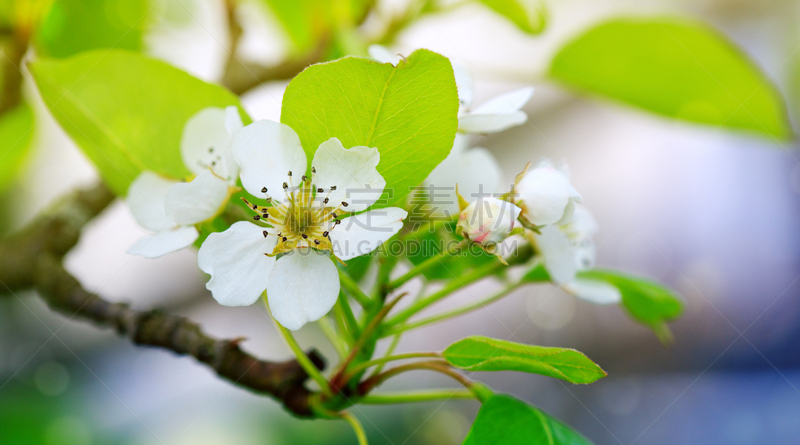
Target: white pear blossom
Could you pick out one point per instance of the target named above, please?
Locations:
(546, 195)
(288, 249)
(171, 208)
(567, 249)
(488, 220)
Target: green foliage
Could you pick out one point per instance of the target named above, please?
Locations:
(125, 111)
(529, 15)
(676, 68)
(408, 112)
(646, 301)
(431, 244)
(479, 353)
(310, 22)
(16, 133)
(357, 267)
(504, 420)
(73, 26)
(536, 275)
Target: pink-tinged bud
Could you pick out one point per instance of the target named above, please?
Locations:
(488, 221)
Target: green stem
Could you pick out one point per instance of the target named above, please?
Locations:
(356, 425)
(352, 288)
(456, 284)
(330, 332)
(425, 265)
(305, 362)
(416, 396)
(346, 312)
(452, 313)
(439, 366)
(390, 358)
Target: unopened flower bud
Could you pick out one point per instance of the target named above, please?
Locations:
(545, 195)
(488, 220)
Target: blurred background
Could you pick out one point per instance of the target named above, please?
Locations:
(709, 212)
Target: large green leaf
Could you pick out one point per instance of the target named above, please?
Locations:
(676, 68)
(529, 15)
(125, 111)
(478, 353)
(310, 22)
(16, 133)
(504, 420)
(646, 301)
(72, 26)
(408, 112)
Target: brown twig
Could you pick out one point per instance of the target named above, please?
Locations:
(32, 259)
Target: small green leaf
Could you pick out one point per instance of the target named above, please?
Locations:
(646, 301)
(430, 244)
(529, 15)
(16, 133)
(504, 420)
(125, 111)
(408, 112)
(677, 68)
(73, 26)
(536, 275)
(479, 353)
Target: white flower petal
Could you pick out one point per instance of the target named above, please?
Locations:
(352, 171)
(558, 254)
(476, 171)
(303, 287)
(236, 262)
(233, 120)
(206, 143)
(464, 84)
(490, 123)
(164, 242)
(146, 200)
(196, 201)
(361, 234)
(382, 54)
(593, 291)
(506, 103)
(266, 151)
(545, 193)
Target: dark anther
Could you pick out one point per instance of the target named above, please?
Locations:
(304, 178)
(211, 149)
(305, 236)
(334, 215)
(313, 170)
(338, 221)
(325, 233)
(284, 239)
(316, 241)
(256, 217)
(213, 163)
(333, 187)
(265, 233)
(264, 213)
(290, 173)
(285, 186)
(325, 201)
(320, 190)
(255, 207)
(269, 199)
(263, 190)
(344, 204)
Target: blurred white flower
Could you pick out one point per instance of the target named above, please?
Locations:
(171, 208)
(567, 249)
(498, 114)
(290, 254)
(546, 195)
(487, 221)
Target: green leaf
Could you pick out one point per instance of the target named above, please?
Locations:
(504, 420)
(408, 112)
(536, 275)
(357, 267)
(429, 244)
(16, 133)
(310, 22)
(529, 15)
(646, 301)
(73, 26)
(479, 353)
(677, 68)
(125, 111)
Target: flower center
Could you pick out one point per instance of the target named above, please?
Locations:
(303, 219)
